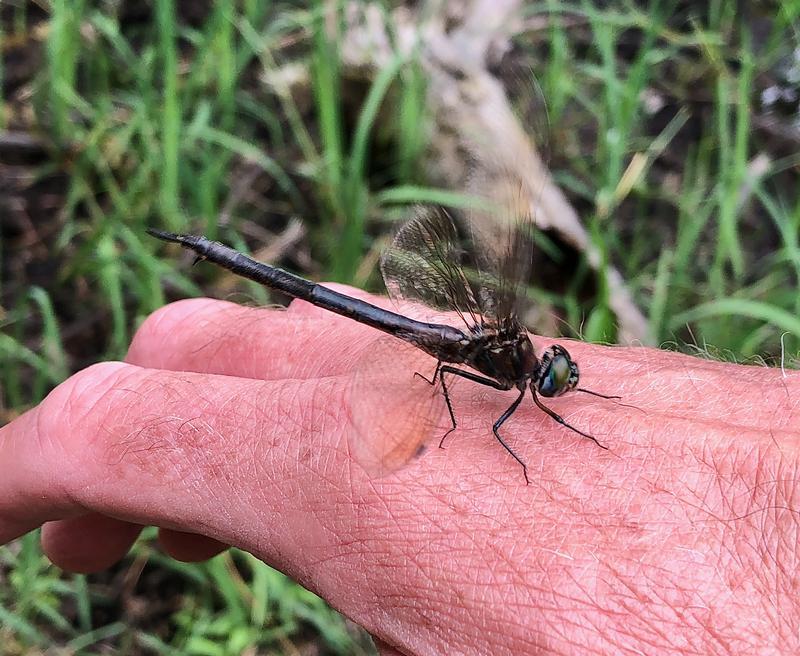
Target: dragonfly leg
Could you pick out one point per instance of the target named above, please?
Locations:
(475, 378)
(496, 430)
(606, 396)
(561, 421)
(432, 381)
(602, 396)
(453, 423)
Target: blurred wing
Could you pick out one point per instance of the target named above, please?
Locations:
(482, 273)
(503, 241)
(393, 412)
(510, 176)
(424, 263)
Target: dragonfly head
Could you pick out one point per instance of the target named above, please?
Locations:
(557, 373)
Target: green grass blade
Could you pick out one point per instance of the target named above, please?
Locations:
(52, 345)
(63, 47)
(406, 194)
(357, 158)
(171, 115)
(25, 629)
(110, 277)
(253, 154)
(738, 307)
(326, 83)
(99, 635)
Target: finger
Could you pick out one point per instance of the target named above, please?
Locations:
(385, 649)
(189, 547)
(208, 336)
(93, 542)
(88, 543)
(243, 462)
(657, 383)
(306, 342)
(126, 442)
(178, 337)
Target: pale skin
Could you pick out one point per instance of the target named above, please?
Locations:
(228, 426)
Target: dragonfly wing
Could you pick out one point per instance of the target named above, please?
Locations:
(481, 271)
(510, 176)
(503, 241)
(394, 411)
(425, 263)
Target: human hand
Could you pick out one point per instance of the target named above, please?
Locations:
(228, 425)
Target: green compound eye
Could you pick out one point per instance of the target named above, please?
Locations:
(559, 375)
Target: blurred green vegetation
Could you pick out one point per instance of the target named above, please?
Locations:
(674, 132)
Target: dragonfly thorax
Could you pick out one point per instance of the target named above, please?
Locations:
(509, 358)
(506, 356)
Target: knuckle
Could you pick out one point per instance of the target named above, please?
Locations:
(76, 408)
(165, 321)
(303, 309)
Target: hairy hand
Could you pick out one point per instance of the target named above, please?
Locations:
(229, 425)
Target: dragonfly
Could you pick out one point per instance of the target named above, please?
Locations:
(431, 261)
